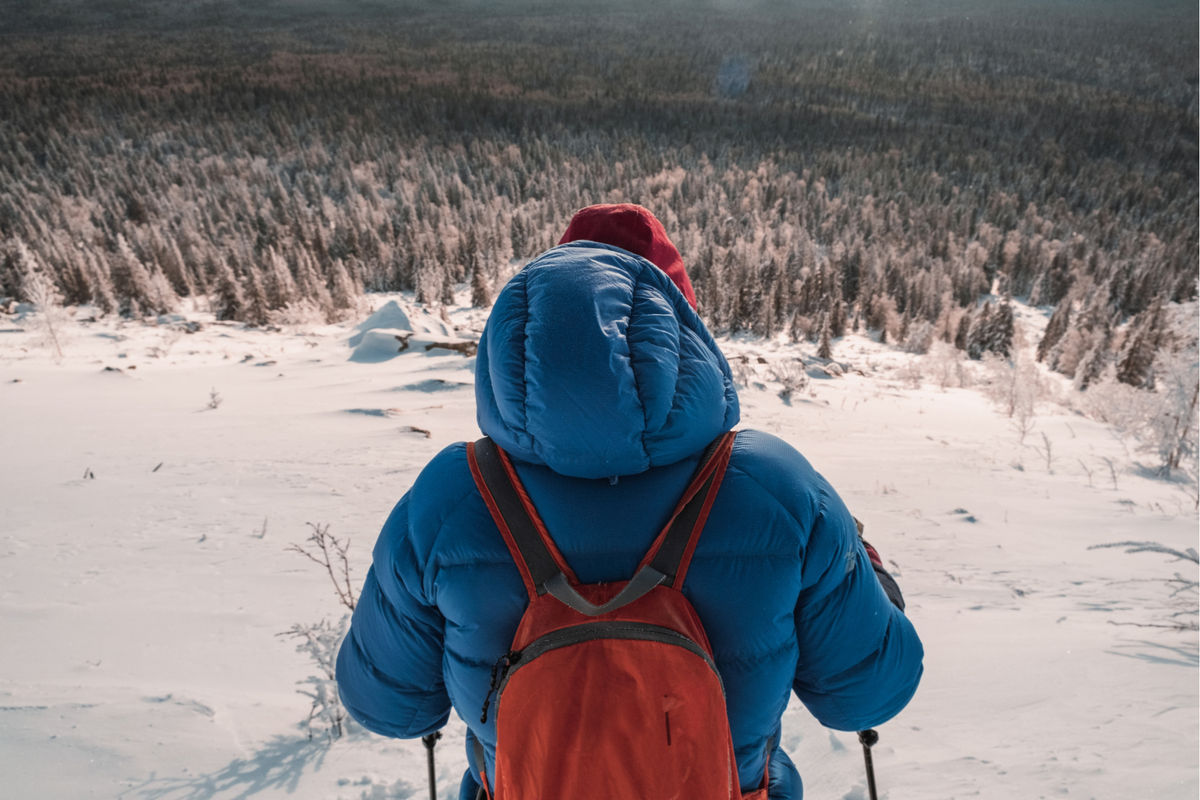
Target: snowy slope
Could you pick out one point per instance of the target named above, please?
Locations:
(144, 570)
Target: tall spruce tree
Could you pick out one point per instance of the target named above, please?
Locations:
(1060, 320)
(1136, 361)
(981, 328)
(1091, 367)
(999, 335)
(962, 332)
(228, 303)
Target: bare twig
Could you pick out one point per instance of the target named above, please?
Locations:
(1153, 547)
(330, 553)
(1112, 470)
(1086, 469)
(1046, 452)
(1022, 424)
(1183, 584)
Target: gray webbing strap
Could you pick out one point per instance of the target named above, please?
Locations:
(645, 580)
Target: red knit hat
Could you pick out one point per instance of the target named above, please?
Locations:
(635, 229)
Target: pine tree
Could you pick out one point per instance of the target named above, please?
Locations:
(341, 287)
(999, 336)
(131, 279)
(825, 348)
(22, 262)
(228, 303)
(1060, 320)
(977, 339)
(764, 321)
(518, 236)
(100, 283)
(427, 283)
(1070, 351)
(837, 319)
(446, 298)
(280, 286)
(256, 312)
(962, 332)
(73, 275)
(1136, 361)
(481, 288)
(1091, 367)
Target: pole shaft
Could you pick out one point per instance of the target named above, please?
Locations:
(868, 738)
(432, 777)
(870, 773)
(430, 742)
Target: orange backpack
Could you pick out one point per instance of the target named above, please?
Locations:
(609, 690)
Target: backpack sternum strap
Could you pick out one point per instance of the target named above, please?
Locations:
(645, 580)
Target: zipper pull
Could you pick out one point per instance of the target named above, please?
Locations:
(499, 670)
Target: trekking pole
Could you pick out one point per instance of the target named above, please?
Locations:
(868, 738)
(430, 742)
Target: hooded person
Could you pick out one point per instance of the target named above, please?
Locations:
(602, 385)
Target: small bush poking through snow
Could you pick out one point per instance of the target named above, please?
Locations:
(791, 378)
(320, 641)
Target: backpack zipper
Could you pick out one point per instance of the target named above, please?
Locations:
(499, 670)
(589, 631)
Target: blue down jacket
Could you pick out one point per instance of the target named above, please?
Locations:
(604, 386)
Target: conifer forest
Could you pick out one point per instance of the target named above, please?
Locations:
(907, 169)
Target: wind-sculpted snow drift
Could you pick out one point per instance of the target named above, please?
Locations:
(391, 331)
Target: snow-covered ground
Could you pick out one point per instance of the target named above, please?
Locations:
(153, 480)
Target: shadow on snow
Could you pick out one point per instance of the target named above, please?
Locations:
(279, 764)
(1156, 653)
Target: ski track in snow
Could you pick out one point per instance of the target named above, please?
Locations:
(144, 571)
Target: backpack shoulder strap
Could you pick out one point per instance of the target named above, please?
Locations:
(671, 553)
(543, 568)
(534, 552)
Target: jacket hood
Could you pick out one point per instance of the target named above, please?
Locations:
(594, 364)
(633, 228)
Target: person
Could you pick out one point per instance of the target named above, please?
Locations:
(598, 379)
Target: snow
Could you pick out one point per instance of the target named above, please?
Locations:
(153, 480)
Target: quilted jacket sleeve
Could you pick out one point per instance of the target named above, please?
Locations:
(860, 658)
(389, 668)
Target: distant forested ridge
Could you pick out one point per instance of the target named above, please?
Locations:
(902, 168)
